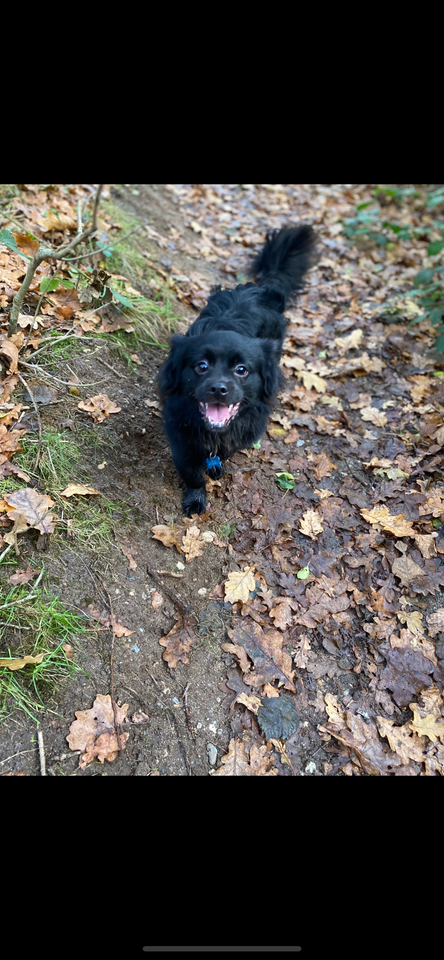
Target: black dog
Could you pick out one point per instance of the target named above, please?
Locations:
(220, 378)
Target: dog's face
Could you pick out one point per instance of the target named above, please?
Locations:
(223, 372)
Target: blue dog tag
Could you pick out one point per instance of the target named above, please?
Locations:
(213, 462)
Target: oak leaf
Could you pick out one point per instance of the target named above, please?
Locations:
(93, 731)
(192, 543)
(239, 584)
(34, 506)
(311, 524)
(435, 622)
(393, 523)
(178, 642)
(99, 407)
(406, 569)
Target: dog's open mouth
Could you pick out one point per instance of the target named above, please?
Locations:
(217, 414)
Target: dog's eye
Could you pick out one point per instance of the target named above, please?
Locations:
(241, 370)
(201, 367)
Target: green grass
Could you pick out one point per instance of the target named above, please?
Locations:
(89, 520)
(38, 625)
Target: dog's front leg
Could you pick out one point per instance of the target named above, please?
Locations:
(195, 498)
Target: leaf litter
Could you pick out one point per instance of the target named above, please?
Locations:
(357, 641)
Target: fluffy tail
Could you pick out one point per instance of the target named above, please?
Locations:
(283, 260)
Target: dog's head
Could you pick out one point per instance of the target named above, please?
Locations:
(222, 371)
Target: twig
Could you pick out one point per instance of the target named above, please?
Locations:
(41, 753)
(5, 552)
(105, 364)
(48, 253)
(170, 593)
(51, 341)
(107, 246)
(44, 375)
(187, 711)
(39, 449)
(111, 659)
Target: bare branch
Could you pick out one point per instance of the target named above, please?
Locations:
(47, 253)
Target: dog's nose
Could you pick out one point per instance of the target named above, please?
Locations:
(218, 390)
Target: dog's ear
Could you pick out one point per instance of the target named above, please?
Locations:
(170, 374)
(270, 371)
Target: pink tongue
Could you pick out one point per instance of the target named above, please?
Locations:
(217, 412)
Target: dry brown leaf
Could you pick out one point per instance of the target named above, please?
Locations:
(239, 584)
(105, 618)
(426, 544)
(350, 342)
(435, 622)
(20, 662)
(267, 650)
(178, 642)
(426, 726)
(377, 417)
(77, 489)
(406, 746)
(192, 543)
(413, 621)
(312, 380)
(235, 762)
(302, 650)
(55, 220)
(406, 569)
(26, 244)
(9, 351)
(34, 506)
(169, 536)
(22, 576)
(396, 524)
(311, 524)
(323, 464)
(9, 442)
(281, 613)
(127, 550)
(94, 733)
(99, 407)
(249, 701)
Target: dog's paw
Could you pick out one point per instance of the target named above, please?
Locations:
(216, 472)
(194, 501)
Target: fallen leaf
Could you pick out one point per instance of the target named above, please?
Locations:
(435, 622)
(178, 642)
(406, 569)
(192, 543)
(9, 350)
(77, 489)
(34, 506)
(239, 584)
(426, 726)
(311, 524)
(99, 407)
(19, 663)
(377, 417)
(169, 536)
(105, 618)
(413, 621)
(267, 650)
(94, 734)
(396, 524)
(312, 380)
(22, 576)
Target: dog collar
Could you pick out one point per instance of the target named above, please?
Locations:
(213, 462)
